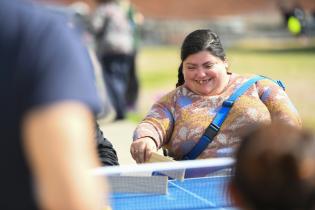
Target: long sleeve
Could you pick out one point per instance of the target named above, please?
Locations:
(159, 122)
(278, 103)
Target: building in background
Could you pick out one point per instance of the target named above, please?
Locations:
(168, 21)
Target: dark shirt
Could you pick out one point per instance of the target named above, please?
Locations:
(106, 151)
(41, 62)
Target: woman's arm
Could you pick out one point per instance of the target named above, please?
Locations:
(154, 131)
(142, 148)
(278, 103)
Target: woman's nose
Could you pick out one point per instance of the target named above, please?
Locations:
(201, 72)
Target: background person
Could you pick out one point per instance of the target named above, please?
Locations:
(76, 16)
(294, 17)
(48, 109)
(179, 119)
(275, 169)
(113, 35)
(135, 19)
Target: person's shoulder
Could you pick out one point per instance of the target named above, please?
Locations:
(33, 20)
(173, 95)
(236, 80)
(168, 95)
(265, 81)
(15, 16)
(243, 76)
(269, 82)
(108, 8)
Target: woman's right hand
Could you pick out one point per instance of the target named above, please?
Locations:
(141, 149)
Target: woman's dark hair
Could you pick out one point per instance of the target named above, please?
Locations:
(275, 168)
(196, 41)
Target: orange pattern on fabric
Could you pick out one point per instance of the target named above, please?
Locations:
(179, 119)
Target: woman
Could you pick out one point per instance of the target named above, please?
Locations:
(275, 169)
(179, 119)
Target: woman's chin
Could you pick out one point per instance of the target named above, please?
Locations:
(205, 92)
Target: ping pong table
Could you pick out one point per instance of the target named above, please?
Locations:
(193, 193)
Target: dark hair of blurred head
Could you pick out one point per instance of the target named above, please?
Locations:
(275, 169)
(197, 41)
(105, 1)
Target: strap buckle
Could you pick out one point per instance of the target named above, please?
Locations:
(214, 127)
(211, 131)
(228, 103)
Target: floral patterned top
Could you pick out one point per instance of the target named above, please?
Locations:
(179, 119)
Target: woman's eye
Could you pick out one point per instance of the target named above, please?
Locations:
(210, 66)
(191, 68)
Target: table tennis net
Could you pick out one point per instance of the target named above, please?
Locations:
(204, 185)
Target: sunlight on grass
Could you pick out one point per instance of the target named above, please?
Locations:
(158, 66)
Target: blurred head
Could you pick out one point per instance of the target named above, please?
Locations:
(105, 1)
(275, 169)
(203, 66)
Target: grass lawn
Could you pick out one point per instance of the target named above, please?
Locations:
(287, 61)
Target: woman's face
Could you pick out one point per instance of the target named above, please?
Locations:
(205, 74)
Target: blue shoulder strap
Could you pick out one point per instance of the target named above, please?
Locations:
(218, 120)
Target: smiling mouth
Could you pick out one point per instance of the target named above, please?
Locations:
(202, 81)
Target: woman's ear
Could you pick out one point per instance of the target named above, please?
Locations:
(226, 64)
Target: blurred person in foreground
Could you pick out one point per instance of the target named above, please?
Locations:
(48, 109)
(77, 23)
(179, 119)
(275, 169)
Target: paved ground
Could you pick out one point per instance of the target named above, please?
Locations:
(120, 134)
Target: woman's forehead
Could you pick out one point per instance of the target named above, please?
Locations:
(202, 56)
